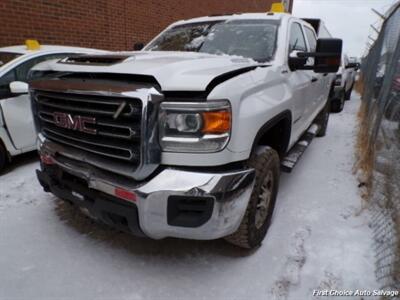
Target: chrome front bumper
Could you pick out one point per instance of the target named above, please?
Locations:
(230, 191)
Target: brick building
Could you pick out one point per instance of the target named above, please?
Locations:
(105, 24)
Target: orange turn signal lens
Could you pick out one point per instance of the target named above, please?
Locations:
(216, 122)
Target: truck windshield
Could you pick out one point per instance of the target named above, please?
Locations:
(6, 57)
(254, 39)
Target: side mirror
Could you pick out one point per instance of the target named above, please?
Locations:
(19, 87)
(138, 46)
(327, 56)
(296, 62)
(351, 66)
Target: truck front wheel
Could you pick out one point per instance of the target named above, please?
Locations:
(257, 218)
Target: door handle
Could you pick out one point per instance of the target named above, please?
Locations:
(314, 79)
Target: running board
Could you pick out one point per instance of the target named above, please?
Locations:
(293, 156)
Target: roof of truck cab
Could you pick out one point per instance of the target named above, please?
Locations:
(266, 16)
(21, 49)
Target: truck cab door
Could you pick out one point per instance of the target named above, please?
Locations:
(299, 82)
(18, 118)
(17, 113)
(318, 91)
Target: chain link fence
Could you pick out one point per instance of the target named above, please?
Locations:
(379, 145)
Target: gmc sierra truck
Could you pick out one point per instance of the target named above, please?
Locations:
(187, 137)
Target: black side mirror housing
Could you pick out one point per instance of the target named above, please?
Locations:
(351, 66)
(297, 62)
(138, 46)
(328, 57)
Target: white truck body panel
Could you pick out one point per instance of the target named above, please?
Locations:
(271, 87)
(191, 133)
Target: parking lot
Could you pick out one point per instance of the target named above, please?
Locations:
(319, 239)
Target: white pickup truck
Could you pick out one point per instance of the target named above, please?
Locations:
(344, 84)
(187, 137)
(17, 132)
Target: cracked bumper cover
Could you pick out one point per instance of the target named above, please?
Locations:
(148, 215)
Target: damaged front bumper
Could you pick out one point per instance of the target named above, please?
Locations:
(174, 203)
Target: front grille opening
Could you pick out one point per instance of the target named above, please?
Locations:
(80, 103)
(113, 132)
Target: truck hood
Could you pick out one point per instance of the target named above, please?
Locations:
(174, 71)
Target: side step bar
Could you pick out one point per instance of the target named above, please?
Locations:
(293, 156)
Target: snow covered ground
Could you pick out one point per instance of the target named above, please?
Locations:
(319, 239)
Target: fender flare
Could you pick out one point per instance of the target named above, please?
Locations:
(284, 115)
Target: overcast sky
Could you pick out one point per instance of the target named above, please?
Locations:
(346, 19)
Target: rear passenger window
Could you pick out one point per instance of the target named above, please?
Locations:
(312, 40)
(297, 41)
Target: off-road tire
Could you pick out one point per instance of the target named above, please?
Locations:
(248, 234)
(3, 157)
(322, 119)
(337, 104)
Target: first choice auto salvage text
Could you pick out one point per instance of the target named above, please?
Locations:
(341, 293)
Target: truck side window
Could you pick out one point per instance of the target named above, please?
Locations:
(297, 41)
(312, 40)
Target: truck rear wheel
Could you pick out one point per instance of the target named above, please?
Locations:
(257, 218)
(347, 96)
(337, 104)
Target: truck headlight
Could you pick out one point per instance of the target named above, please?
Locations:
(195, 126)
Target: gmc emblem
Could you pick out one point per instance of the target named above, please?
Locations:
(77, 123)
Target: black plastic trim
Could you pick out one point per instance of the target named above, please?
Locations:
(117, 213)
(189, 211)
(285, 115)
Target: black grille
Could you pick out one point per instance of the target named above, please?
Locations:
(117, 123)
